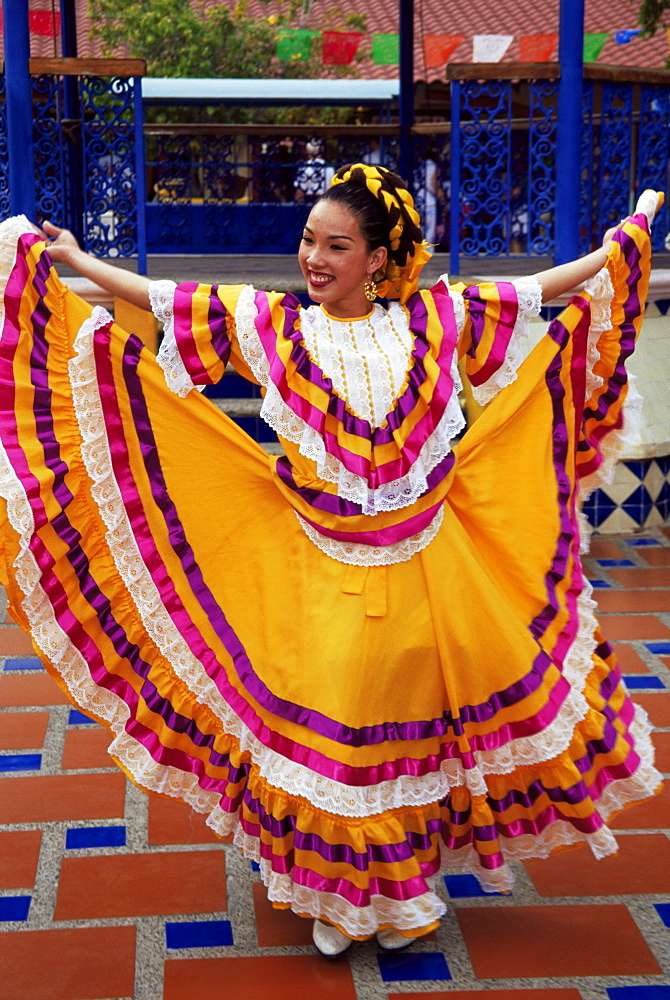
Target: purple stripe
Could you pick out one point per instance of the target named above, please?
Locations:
(332, 504)
(217, 322)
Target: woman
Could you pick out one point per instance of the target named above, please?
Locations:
(376, 655)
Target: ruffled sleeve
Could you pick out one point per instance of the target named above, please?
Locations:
(495, 320)
(200, 336)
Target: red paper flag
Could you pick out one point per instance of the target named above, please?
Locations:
(438, 49)
(339, 47)
(44, 23)
(537, 48)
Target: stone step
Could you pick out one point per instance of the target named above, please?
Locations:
(239, 406)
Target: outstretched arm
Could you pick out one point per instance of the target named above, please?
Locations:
(558, 280)
(563, 278)
(64, 249)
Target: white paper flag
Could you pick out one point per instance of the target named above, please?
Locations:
(490, 48)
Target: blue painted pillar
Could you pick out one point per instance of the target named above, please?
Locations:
(569, 130)
(73, 209)
(406, 107)
(21, 160)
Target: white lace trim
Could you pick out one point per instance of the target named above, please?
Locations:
(392, 496)
(602, 291)
(529, 292)
(161, 297)
(649, 203)
(358, 554)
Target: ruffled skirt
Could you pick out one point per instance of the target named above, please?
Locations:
(353, 729)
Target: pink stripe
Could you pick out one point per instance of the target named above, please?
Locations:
(382, 536)
(503, 334)
(183, 329)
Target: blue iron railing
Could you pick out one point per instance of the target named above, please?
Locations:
(484, 181)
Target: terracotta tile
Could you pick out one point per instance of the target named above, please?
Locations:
(656, 705)
(86, 963)
(284, 977)
(278, 927)
(633, 600)
(14, 641)
(520, 994)
(641, 866)
(654, 814)
(629, 661)
(633, 627)
(141, 884)
(86, 748)
(23, 730)
(172, 821)
(656, 556)
(662, 744)
(605, 548)
(666, 532)
(30, 689)
(654, 577)
(520, 941)
(19, 854)
(45, 798)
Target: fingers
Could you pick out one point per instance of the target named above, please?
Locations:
(52, 230)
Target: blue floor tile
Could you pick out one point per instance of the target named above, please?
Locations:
(462, 886)
(599, 584)
(615, 562)
(408, 968)
(663, 910)
(23, 663)
(199, 934)
(77, 718)
(659, 648)
(639, 993)
(20, 762)
(78, 838)
(255, 867)
(638, 543)
(645, 682)
(14, 907)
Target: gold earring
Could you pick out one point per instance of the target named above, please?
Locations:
(370, 290)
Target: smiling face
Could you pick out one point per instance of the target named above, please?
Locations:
(336, 261)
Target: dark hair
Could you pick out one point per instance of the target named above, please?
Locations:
(369, 211)
(377, 214)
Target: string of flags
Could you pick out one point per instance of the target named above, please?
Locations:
(339, 48)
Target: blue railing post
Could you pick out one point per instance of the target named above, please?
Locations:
(569, 127)
(406, 107)
(455, 194)
(21, 158)
(140, 177)
(74, 177)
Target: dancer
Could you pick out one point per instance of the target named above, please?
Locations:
(375, 656)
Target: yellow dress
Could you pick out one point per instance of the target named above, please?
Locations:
(371, 658)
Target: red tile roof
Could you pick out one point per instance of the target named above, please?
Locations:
(510, 17)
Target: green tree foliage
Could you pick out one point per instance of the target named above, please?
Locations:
(654, 14)
(651, 15)
(183, 38)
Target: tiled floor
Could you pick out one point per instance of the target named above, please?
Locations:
(106, 894)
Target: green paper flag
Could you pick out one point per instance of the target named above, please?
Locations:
(386, 50)
(594, 43)
(294, 44)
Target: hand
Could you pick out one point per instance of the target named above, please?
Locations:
(61, 243)
(613, 229)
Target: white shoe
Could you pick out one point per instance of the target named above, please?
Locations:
(391, 940)
(328, 940)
